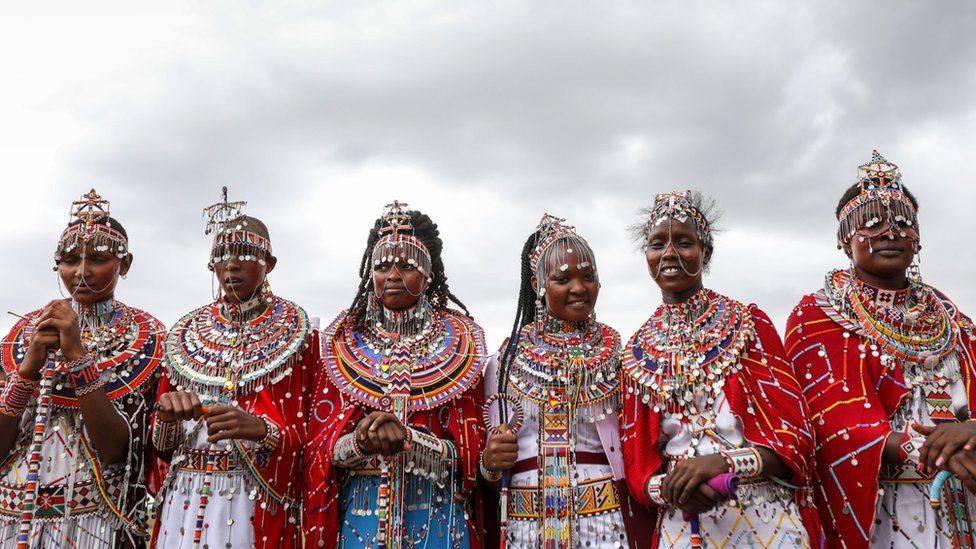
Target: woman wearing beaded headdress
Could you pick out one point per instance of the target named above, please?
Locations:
(553, 392)
(888, 372)
(396, 407)
(715, 429)
(77, 390)
(230, 419)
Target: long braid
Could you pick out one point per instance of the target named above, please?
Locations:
(524, 313)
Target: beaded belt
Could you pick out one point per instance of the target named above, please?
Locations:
(582, 458)
(195, 461)
(54, 501)
(595, 496)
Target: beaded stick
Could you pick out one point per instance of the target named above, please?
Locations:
(34, 463)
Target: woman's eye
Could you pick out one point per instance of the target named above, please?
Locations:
(407, 267)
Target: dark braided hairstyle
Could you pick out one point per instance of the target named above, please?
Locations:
(524, 314)
(438, 292)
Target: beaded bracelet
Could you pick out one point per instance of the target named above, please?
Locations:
(80, 363)
(272, 436)
(17, 394)
(745, 462)
(166, 434)
(490, 474)
(87, 380)
(654, 490)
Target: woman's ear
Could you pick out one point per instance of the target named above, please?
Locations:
(126, 265)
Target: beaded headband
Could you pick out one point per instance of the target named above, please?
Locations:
(882, 197)
(553, 230)
(398, 242)
(91, 224)
(232, 237)
(678, 205)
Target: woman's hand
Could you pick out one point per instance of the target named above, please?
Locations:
(42, 342)
(944, 440)
(502, 449)
(178, 406)
(59, 315)
(232, 423)
(685, 486)
(381, 433)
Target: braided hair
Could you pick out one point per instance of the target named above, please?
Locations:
(524, 313)
(438, 292)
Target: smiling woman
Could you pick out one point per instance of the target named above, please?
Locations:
(708, 393)
(560, 444)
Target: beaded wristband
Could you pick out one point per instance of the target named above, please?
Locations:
(273, 435)
(17, 394)
(80, 363)
(166, 434)
(654, 490)
(745, 462)
(87, 380)
(489, 474)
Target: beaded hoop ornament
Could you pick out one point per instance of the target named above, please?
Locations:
(516, 415)
(882, 198)
(91, 224)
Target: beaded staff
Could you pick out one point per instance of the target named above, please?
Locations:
(726, 485)
(34, 462)
(515, 423)
(390, 496)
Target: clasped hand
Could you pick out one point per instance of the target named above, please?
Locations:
(686, 486)
(223, 422)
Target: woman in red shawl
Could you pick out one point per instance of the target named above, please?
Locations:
(708, 392)
(884, 359)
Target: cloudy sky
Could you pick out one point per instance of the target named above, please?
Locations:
(484, 115)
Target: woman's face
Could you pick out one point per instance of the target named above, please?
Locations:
(242, 280)
(570, 293)
(883, 252)
(92, 278)
(398, 284)
(676, 259)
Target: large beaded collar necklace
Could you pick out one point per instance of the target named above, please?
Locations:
(916, 325)
(680, 358)
(125, 340)
(233, 350)
(568, 364)
(446, 355)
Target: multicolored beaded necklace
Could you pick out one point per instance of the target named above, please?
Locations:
(564, 372)
(680, 358)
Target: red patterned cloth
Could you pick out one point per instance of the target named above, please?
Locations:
(763, 393)
(852, 398)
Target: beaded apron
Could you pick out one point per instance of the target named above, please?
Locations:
(563, 374)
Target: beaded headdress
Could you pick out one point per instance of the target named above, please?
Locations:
(679, 206)
(91, 223)
(232, 237)
(882, 198)
(397, 241)
(560, 241)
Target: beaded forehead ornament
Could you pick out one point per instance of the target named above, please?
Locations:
(232, 237)
(398, 244)
(91, 224)
(882, 198)
(557, 243)
(677, 205)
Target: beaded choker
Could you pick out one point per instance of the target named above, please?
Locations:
(680, 357)
(446, 358)
(567, 365)
(914, 324)
(214, 355)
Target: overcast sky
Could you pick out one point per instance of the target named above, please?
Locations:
(483, 115)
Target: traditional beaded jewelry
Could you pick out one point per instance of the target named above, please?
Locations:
(167, 434)
(87, 380)
(654, 489)
(17, 394)
(747, 463)
(84, 361)
(490, 474)
(273, 435)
